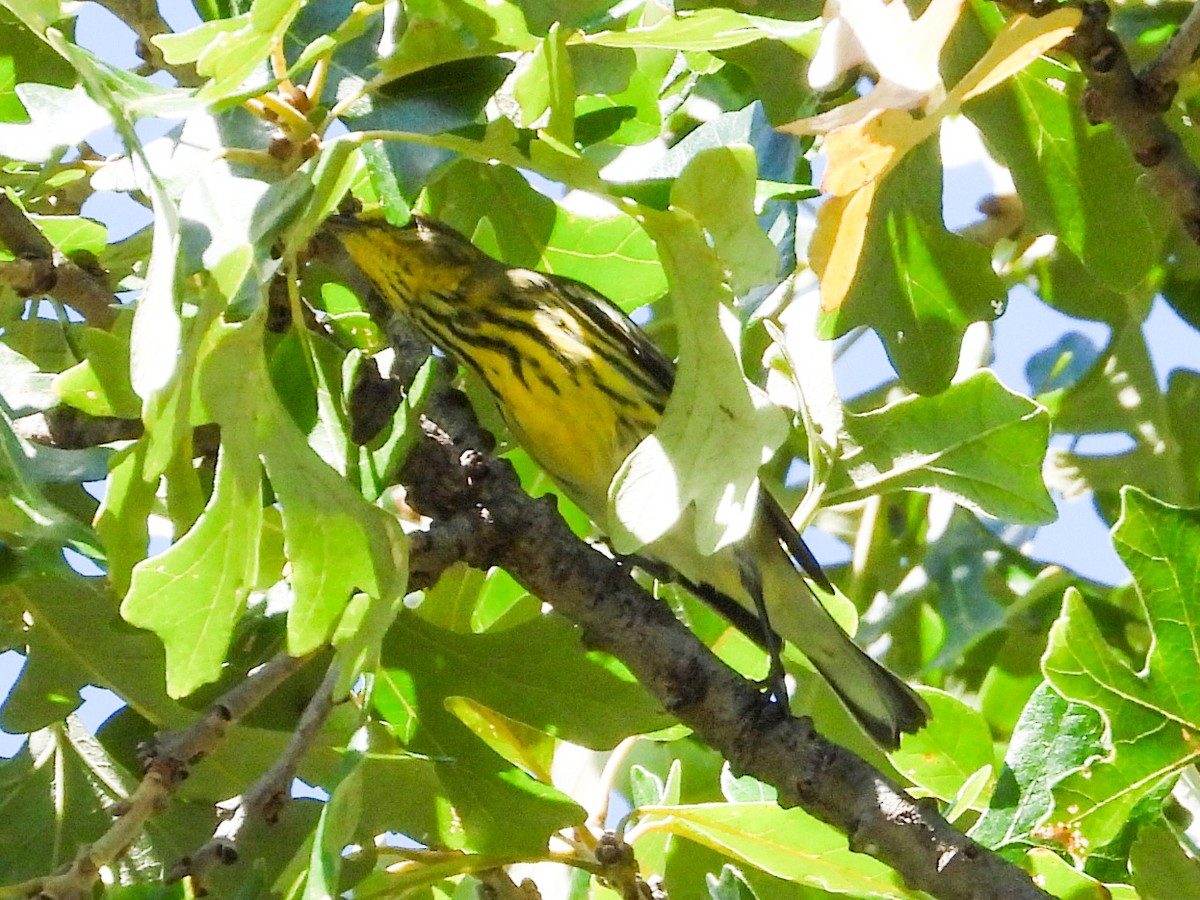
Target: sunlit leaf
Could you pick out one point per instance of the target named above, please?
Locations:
(688, 460)
(955, 442)
(709, 29)
(1148, 711)
(59, 119)
(789, 844)
(942, 756)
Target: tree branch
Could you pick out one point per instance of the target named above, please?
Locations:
(266, 797)
(484, 513)
(165, 764)
(1133, 105)
(1177, 56)
(41, 269)
(68, 428)
(146, 21)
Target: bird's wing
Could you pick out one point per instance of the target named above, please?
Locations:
(792, 542)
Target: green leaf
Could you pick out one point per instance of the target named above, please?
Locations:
(1053, 737)
(338, 824)
(228, 55)
(788, 844)
(232, 217)
(1182, 397)
(571, 13)
(612, 254)
(1180, 285)
(359, 637)
(100, 386)
(1067, 285)
(1059, 878)
(126, 96)
(544, 85)
(72, 635)
(26, 514)
(193, 593)
(527, 748)
(123, 518)
(718, 189)
(1119, 392)
(978, 442)
(58, 119)
(717, 429)
(31, 59)
(187, 46)
(432, 102)
(710, 29)
(483, 803)
(742, 789)
(944, 755)
(916, 284)
(47, 344)
(618, 93)
(1061, 366)
(779, 75)
(441, 31)
(730, 885)
(335, 541)
(161, 361)
(36, 14)
(57, 793)
(1070, 176)
(403, 789)
(1160, 866)
(1150, 715)
(72, 234)
(968, 593)
(493, 669)
(646, 789)
(24, 387)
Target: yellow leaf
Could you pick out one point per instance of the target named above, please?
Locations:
(838, 241)
(520, 744)
(865, 151)
(1021, 42)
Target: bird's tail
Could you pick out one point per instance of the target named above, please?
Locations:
(882, 703)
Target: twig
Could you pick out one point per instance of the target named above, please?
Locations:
(451, 477)
(41, 269)
(1177, 56)
(68, 428)
(165, 764)
(1133, 106)
(143, 17)
(266, 797)
(495, 884)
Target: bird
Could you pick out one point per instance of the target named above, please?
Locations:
(580, 385)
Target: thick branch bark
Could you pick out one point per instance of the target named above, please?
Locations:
(482, 515)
